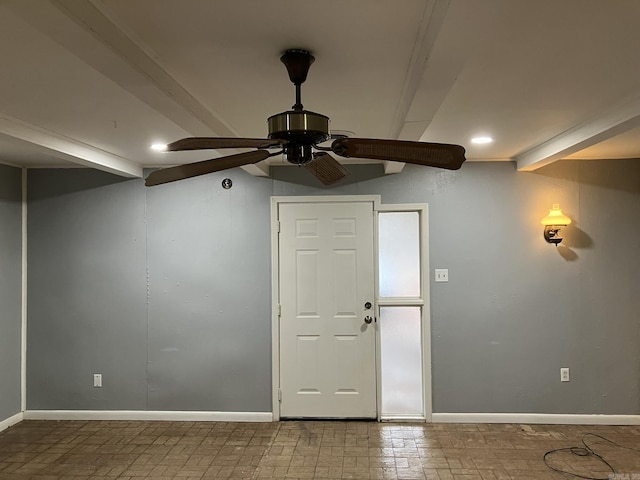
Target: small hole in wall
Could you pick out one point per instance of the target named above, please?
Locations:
(227, 183)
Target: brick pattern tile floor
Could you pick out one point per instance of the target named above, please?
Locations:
(105, 450)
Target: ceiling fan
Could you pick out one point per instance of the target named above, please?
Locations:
(297, 134)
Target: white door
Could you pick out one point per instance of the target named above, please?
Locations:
(327, 349)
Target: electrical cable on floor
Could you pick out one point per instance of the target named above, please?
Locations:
(586, 451)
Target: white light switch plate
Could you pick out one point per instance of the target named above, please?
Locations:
(97, 380)
(442, 274)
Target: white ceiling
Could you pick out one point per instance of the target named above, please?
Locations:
(95, 82)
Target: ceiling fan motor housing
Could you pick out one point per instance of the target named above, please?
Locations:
(302, 129)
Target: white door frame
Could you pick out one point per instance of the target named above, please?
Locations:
(424, 301)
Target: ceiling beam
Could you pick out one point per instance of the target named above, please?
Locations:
(106, 45)
(615, 120)
(95, 18)
(432, 19)
(260, 169)
(68, 148)
(392, 167)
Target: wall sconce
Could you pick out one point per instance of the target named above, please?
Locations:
(553, 223)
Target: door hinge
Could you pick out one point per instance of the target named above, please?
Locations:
(278, 227)
(279, 309)
(279, 395)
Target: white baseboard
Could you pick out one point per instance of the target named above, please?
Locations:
(544, 418)
(4, 424)
(183, 416)
(187, 416)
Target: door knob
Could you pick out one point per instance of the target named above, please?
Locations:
(368, 319)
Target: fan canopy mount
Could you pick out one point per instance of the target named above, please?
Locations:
(298, 63)
(297, 134)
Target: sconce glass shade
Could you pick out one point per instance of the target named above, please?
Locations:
(555, 217)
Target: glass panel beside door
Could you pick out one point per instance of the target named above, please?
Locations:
(401, 359)
(399, 254)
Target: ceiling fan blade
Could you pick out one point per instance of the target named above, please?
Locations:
(326, 169)
(203, 143)
(420, 153)
(189, 170)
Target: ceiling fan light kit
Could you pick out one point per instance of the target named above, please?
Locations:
(297, 134)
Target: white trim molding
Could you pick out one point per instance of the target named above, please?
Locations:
(536, 418)
(8, 422)
(23, 300)
(188, 416)
(132, 415)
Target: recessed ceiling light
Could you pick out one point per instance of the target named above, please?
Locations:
(159, 147)
(481, 140)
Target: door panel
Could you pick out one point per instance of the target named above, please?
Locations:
(327, 352)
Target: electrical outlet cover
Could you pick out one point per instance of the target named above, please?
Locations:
(442, 274)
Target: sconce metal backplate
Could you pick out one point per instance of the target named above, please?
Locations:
(552, 234)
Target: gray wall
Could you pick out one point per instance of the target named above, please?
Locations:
(166, 291)
(86, 291)
(10, 290)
